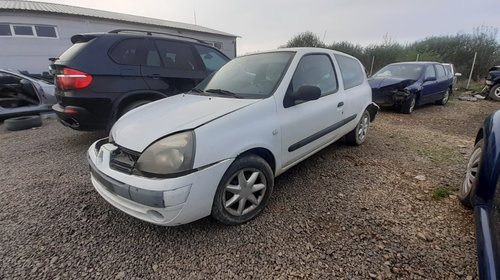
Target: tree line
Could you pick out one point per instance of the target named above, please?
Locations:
(458, 49)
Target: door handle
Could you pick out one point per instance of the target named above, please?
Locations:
(341, 103)
(155, 76)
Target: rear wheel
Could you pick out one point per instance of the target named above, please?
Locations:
(495, 92)
(469, 185)
(358, 135)
(445, 98)
(24, 122)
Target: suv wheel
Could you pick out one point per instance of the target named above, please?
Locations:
(495, 92)
(243, 191)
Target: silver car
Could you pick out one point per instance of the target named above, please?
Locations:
(21, 94)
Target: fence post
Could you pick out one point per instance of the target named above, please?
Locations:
(472, 69)
(417, 56)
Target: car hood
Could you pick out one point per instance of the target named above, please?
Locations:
(140, 127)
(390, 82)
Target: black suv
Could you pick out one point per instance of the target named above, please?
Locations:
(493, 83)
(104, 75)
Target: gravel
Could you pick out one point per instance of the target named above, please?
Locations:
(345, 213)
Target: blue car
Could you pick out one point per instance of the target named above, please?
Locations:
(479, 191)
(408, 84)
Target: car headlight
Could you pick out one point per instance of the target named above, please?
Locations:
(172, 154)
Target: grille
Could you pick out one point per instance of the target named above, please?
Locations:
(123, 160)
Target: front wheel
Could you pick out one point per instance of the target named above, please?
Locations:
(495, 92)
(409, 105)
(468, 188)
(243, 191)
(358, 135)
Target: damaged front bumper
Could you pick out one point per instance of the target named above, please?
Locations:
(395, 97)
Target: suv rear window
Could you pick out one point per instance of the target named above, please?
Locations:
(352, 74)
(75, 49)
(127, 51)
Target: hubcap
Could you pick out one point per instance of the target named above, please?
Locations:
(446, 96)
(472, 169)
(412, 105)
(363, 127)
(244, 192)
(497, 92)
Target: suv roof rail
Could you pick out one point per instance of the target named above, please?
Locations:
(157, 32)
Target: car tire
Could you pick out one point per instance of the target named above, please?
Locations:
(244, 190)
(24, 122)
(358, 135)
(445, 98)
(495, 92)
(133, 105)
(468, 188)
(409, 105)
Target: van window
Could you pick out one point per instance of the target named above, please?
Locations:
(352, 73)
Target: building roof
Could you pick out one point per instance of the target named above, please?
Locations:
(17, 5)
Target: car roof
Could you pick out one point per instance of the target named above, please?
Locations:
(304, 50)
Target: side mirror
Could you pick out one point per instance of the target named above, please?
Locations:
(429, 79)
(306, 93)
(458, 74)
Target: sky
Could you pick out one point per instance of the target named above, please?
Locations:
(267, 24)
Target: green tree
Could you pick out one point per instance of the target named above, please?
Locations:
(305, 39)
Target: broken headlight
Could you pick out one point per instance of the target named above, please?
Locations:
(169, 155)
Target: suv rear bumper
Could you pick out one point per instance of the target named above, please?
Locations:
(78, 118)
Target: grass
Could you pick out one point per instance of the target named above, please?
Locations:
(474, 86)
(440, 193)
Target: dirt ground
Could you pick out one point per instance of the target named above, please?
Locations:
(345, 213)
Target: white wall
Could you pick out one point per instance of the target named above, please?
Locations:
(32, 53)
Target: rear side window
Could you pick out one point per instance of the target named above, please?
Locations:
(440, 71)
(177, 55)
(429, 72)
(352, 73)
(211, 58)
(127, 51)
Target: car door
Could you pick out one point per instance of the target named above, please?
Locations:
(172, 67)
(443, 81)
(429, 85)
(307, 126)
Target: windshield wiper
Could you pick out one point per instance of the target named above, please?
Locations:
(223, 92)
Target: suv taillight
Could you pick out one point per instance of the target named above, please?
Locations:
(73, 79)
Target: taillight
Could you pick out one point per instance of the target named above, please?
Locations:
(73, 79)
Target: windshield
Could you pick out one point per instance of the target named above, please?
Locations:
(404, 71)
(252, 76)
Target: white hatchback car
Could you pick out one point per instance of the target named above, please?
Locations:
(217, 149)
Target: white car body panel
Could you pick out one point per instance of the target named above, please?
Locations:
(176, 113)
(225, 128)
